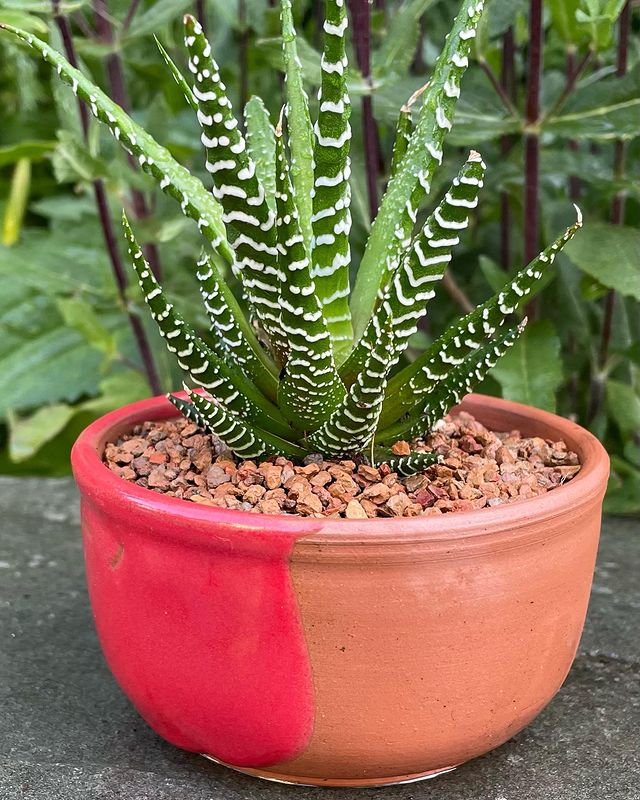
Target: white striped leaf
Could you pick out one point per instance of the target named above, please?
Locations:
(331, 255)
(409, 289)
(352, 426)
(204, 367)
(310, 388)
(410, 385)
(250, 221)
(460, 381)
(298, 124)
(423, 155)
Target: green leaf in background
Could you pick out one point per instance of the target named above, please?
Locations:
(22, 19)
(502, 14)
(623, 491)
(493, 274)
(28, 434)
(159, 13)
(598, 17)
(80, 316)
(399, 43)
(531, 372)
(17, 202)
(623, 403)
(33, 150)
(72, 161)
(610, 254)
(608, 109)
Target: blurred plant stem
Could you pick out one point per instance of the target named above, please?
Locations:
(617, 218)
(131, 12)
(243, 52)
(118, 91)
(532, 141)
(201, 14)
(119, 273)
(361, 35)
(508, 84)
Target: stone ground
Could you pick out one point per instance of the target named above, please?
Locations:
(67, 732)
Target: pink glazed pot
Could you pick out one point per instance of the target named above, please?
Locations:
(339, 652)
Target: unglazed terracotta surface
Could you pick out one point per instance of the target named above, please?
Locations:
(342, 652)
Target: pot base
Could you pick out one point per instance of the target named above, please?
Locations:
(352, 783)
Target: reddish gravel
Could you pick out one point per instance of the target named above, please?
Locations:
(478, 468)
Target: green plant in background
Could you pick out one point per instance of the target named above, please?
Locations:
(67, 346)
(297, 380)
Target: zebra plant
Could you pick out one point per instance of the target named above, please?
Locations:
(293, 367)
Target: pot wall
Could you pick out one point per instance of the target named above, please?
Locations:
(339, 651)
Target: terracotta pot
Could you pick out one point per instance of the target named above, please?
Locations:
(339, 652)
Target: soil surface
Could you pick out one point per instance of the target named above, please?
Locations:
(478, 469)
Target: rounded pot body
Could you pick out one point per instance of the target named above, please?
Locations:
(340, 652)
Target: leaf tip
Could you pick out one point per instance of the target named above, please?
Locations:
(418, 92)
(578, 215)
(191, 24)
(280, 121)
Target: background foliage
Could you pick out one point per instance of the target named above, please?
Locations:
(552, 100)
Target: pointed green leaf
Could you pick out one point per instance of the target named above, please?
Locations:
(204, 367)
(331, 255)
(468, 334)
(236, 186)
(310, 388)
(298, 123)
(352, 426)
(238, 342)
(416, 461)
(424, 154)
(409, 289)
(177, 76)
(433, 405)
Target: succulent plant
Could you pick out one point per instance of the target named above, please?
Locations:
(293, 367)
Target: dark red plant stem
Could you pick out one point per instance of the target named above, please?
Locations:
(574, 183)
(361, 27)
(532, 141)
(106, 222)
(243, 52)
(119, 94)
(508, 84)
(318, 16)
(617, 218)
(201, 14)
(83, 24)
(130, 15)
(572, 80)
(497, 85)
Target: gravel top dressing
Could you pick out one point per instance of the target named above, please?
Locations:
(478, 468)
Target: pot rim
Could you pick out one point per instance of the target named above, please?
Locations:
(97, 483)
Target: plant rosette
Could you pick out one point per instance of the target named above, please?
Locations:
(339, 652)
